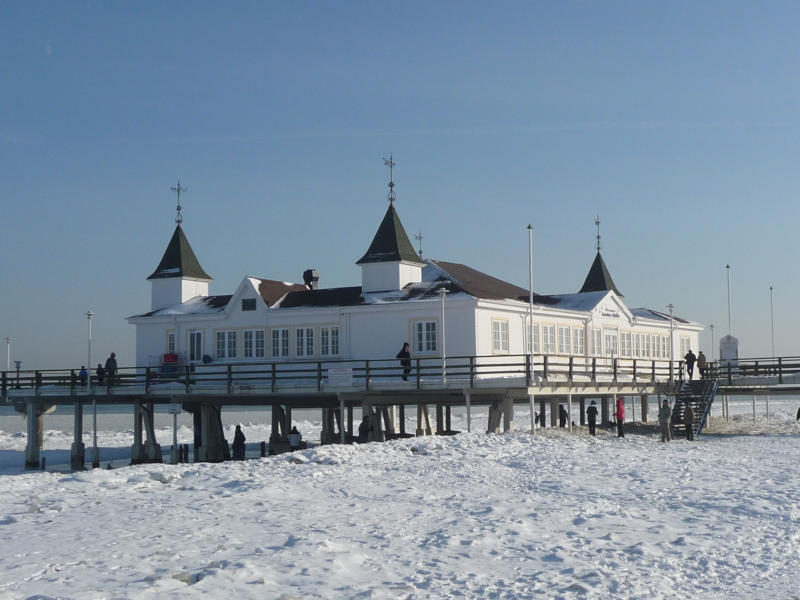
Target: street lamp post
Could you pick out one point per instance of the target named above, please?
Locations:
(95, 451)
(442, 293)
(728, 271)
(670, 306)
(9, 339)
(713, 350)
(530, 319)
(771, 322)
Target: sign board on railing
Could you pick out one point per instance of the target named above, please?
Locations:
(174, 409)
(340, 377)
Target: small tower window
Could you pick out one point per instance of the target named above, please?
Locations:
(248, 304)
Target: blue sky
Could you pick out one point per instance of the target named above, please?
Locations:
(678, 124)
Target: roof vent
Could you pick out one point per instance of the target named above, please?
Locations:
(311, 278)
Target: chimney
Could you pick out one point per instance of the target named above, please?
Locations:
(311, 278)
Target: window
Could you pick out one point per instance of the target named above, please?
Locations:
(280, 343)
(577, 342)
(499, 336)
(171, 342)
(665, 346)
(528, 337)
(597, 342)
(684, 346)
(563, 340)
(248, 304)
(610, 339)
(254, 343)
(195, 346)
(424, 336)
(646, 345)
(637, 349)
(537, 346)
(626, 343)
(329, 340)
(549, 334)
(656, 346)
(305, 341)
(226, 344)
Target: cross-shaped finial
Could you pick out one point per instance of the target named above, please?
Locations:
(597, 222)
(390, 163)
(178, 189)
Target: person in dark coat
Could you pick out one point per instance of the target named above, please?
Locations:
(690, 359)
(294, 438)
(798, 415)
(363, 430)
(591, 417)
(101, 374)
(702, 364)
(620, 416)
(111, 368)
(688, 421)
(562, 416)
(238, 443)
(84, 375)
(405, 360)
(665, 421)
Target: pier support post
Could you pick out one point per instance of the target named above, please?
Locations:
(150, 450)
(77, 455)
(569, 412)
(508, 414)
(582, 408)
(423, 420)
(604, 410)
(402, 420)
(439, 419)
(350, 422)
(448, 423)
(532, 405)
(341, 419)
(469, 412)
(213, 445)
(645, 407)
(32, 442)
(543, 413)
(387, 421)
(495, 415)
(554, 411)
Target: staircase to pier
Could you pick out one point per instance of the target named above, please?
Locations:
(699, 394)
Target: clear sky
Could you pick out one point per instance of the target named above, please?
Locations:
(677, 122)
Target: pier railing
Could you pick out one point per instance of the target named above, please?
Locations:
(319, 375)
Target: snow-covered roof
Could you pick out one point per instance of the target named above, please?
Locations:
(585, 301)
(199, 305)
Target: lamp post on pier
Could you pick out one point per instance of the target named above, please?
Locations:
(713, 350)
(442, 292)
(9, 339)
(95, 451)
(771, 322)
(530, 321)
(671, 307)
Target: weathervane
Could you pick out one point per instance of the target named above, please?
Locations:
(597, 222)
(418, 237)
(178, 189)
(390, 163)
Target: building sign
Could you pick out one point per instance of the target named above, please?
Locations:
(174, 409)
(340, 377)
(605, 312)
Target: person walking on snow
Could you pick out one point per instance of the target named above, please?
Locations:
(688, 421)
(238, 443)
(562, 416)
(690, 359)
(620, 415)
(664, 420)
(591, 417)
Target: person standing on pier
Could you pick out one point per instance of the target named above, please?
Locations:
(688, 421)
(702, 364)
(591, 417)
(405, 360)
(101, 374)
(238, 443)
(620, 415)
(690, 359)
(84, 375)
(111, 368)
(664, 420)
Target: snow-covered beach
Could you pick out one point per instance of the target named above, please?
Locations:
(558, 515)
